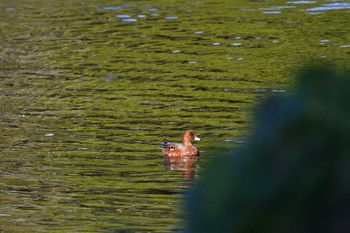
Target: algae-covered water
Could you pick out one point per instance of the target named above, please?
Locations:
(89, 89)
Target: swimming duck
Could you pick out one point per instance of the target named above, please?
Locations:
(178, 149)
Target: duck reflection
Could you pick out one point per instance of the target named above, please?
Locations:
(187, 164)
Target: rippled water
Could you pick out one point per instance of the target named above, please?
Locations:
(90, 89)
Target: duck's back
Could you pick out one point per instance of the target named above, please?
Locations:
(178, 149)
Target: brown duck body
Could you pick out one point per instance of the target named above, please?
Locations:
(178, 149)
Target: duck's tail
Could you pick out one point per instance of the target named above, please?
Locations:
(165, 144)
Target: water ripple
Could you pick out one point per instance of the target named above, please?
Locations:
(331, 6)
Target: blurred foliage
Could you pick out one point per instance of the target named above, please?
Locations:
(293, 175)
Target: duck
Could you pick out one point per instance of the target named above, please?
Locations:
(181, 149)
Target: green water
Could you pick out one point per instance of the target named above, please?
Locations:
(89, 89)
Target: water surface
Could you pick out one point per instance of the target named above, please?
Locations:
(90, 89)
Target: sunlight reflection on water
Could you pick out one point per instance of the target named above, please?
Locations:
(331, 6)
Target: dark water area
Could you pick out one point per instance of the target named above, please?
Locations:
(88, 90)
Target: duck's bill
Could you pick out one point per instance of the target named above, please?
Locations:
(197, 138)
